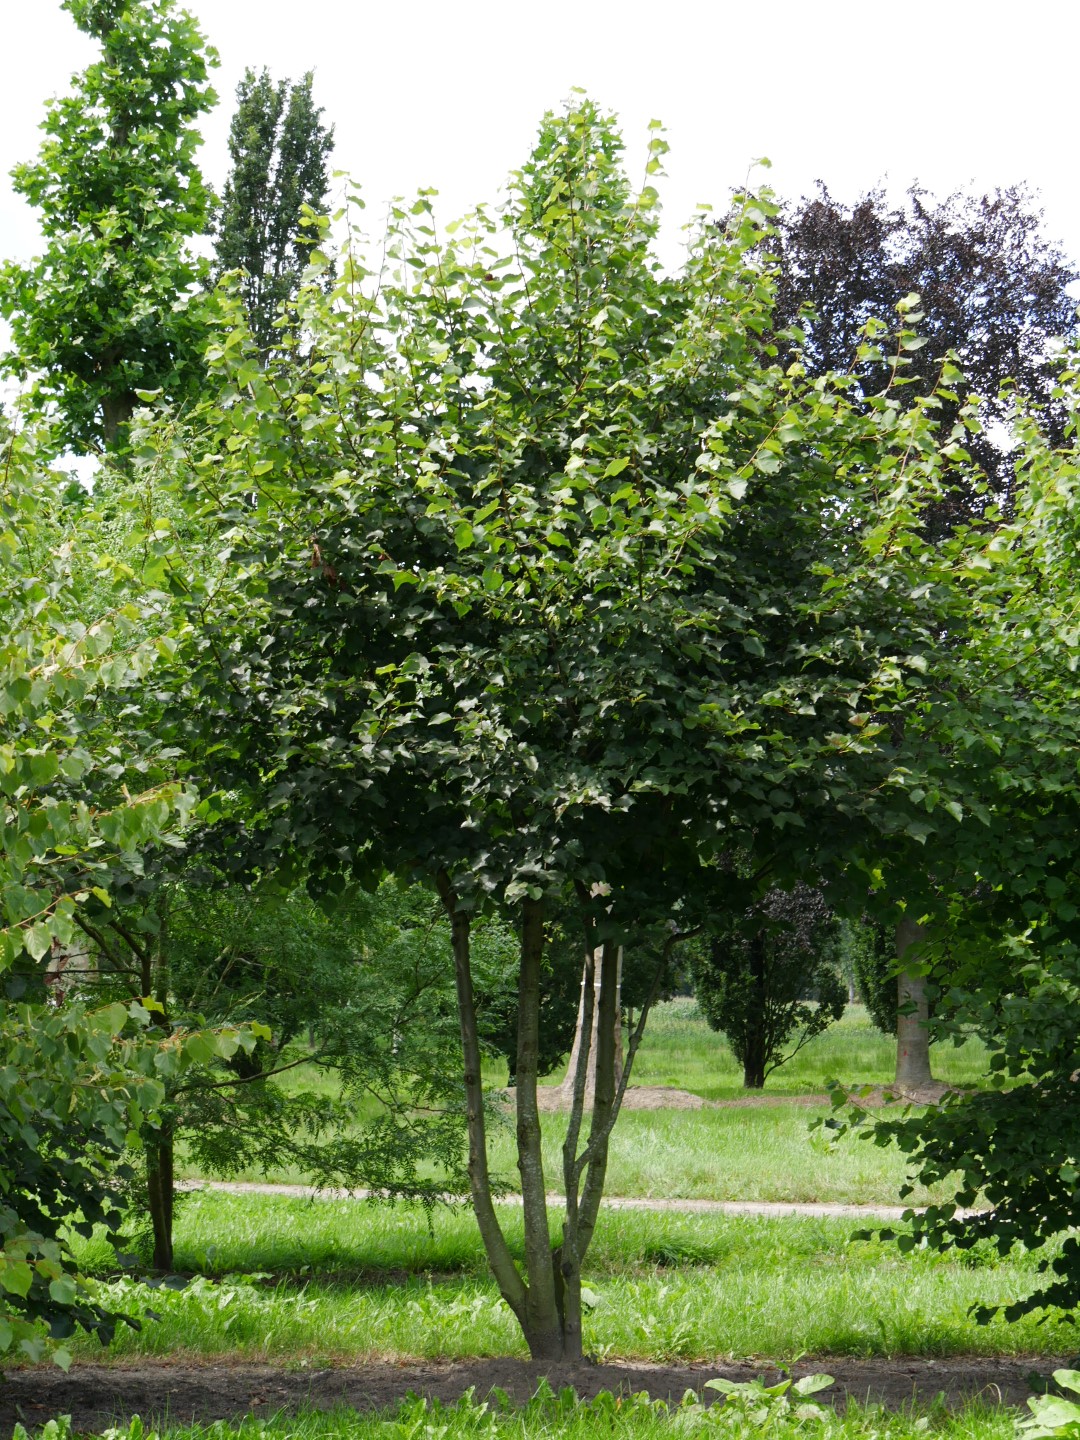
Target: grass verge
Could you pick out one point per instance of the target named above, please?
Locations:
(331, 1280)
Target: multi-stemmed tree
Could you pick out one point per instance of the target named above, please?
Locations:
(557, 586)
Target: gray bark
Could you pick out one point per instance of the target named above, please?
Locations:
(511, 1286)
(912, 1030)
(588, 1019)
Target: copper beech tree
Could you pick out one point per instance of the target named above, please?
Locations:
(545, 594)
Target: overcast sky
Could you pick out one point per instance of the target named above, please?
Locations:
(853, 92)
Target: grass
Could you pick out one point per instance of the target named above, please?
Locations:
(549, 1415)
(679, 1049)
(281, 1278)
(312, 1283)
(767, 1153)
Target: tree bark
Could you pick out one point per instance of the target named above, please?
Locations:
(160, 1144)
(160, 1191)
(912, 1029)
(755, 1054)
(511, 1286)
(543, 1323)
(116, 411)
(547, 1300)
(587, 1021)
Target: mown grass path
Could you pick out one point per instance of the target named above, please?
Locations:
(769, 1208)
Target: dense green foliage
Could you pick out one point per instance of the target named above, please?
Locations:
(994, 289)
(79, 800)
(101, 314)
(522, 569)
(1010, 935)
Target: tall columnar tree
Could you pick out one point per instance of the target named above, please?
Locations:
(279, 148)
(100, 314)
(557, 586)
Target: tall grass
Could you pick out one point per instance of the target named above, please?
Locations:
(336, 1279)
(763, 1153)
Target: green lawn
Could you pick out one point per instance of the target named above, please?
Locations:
(318, 1282)
(679, 1049)
(282, 1278)
(765, 1153)
(551, 1416)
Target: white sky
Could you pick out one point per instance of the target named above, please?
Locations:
(953, 93)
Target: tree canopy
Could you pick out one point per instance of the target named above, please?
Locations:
(557, 585)
(994, 290)
(100, 315)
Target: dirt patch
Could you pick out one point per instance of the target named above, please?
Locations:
(637, 1097)
(551, 1098)
(100, 1395)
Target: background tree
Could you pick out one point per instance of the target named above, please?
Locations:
(889, 999)
(358, 997)
(994, 291)
(279, 148)
(1012, 932)
(771, 975)
(219, 941)
(101, 313)
(81, 799)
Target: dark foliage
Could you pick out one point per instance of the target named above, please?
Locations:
(770, 974)
(279, 149)
(994, 289)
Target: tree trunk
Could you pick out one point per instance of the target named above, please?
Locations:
(912, 1032)
(544, 1320)
(160, 1143)
(587, 1021)
(160, 1190)
(755, 1055)
(116, 411)
(547, 1300)
(511, 1286)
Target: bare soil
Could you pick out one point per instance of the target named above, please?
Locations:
(670, 1097)
(99, 1395)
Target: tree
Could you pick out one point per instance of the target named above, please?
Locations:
(899, 998)
(342, 994)
(220, 943)
(279, 149)
(547, 603)
(994, 292)
(772, 976)
(1012, 931)
(994, 296)
(101, 314)
(80, 799)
